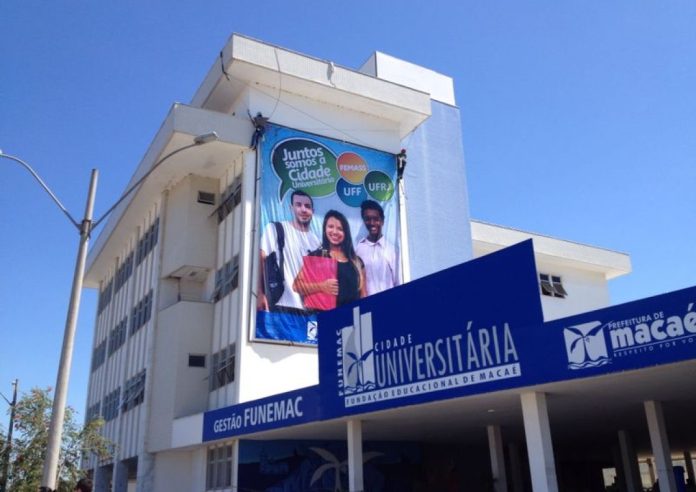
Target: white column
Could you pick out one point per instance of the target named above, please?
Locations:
(145, 480)
(539, 447)
(235, 465)
(660, 445)
(248, 267)
(689, 467)
(629, 463)
(355, 456)
(515, 467)
(495, 446)
(620, 478)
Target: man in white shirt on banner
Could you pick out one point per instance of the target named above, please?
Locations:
(378, 255)
(299, 241)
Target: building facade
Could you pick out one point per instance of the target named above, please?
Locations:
(177, 267)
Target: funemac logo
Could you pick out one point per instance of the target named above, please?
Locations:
(312, 331)
(594, 344)
(370, 370)
(586, 345)
(358, 361)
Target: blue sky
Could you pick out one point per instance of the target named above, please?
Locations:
(578, 122)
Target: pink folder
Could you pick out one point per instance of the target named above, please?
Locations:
(318, 269)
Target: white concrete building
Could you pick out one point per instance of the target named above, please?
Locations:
(176, 266)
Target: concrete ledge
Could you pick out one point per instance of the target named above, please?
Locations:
(248, 63)
(489, 237)
(187, 431)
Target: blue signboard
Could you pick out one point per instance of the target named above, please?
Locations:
(283, 410)
(653, 331)
(471, 329)
(449, 334)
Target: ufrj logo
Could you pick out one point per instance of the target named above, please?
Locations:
(586, 345)
(358, 354)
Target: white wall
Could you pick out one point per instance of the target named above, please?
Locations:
(178, 390)
(586, 291)
(176, 472)
(323, 119)
(189, 236)
(126, 430)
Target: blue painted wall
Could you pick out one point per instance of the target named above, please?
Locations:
(437, 200)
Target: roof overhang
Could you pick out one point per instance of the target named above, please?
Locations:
(180, 127)
(271, 69)
(489, 237)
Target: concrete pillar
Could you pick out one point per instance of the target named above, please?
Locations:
(539, 446)
(120, 476)
(660, 445)
(355, 456)
(145, 480)
(102, 479)
(235, 465)
(689, 467)
(629, 463)
(495, 447)
(618, 466)
(515, 467)
(199, 468)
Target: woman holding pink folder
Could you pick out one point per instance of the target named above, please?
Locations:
(332, 275)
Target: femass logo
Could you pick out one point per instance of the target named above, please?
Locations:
(358, 354)
(586, 345)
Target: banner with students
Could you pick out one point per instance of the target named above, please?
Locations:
(329, 230)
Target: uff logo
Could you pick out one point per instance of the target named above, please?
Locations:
(357, 354)
(586, 345)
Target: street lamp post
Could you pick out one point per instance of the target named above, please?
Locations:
(85, 228)
(55, 429)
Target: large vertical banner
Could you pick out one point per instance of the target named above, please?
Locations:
(328, 230)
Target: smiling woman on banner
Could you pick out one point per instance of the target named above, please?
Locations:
(332, 275)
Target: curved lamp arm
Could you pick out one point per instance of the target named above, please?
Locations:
(44, 186)
(199, 140)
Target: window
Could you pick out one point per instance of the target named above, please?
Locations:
(196, 360)
(222, 367)
(93, 412)
(552, 286)
(206, 198)
(117, 337)
(110, 405)
(133, 392)
(141, 313)
(229, 200)
(98, 355)
(125, 270)
(105, 297)
(219, 469)
(226, 279)
(147, 242)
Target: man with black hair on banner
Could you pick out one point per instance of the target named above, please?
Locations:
(298, 240)
(378, 255)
